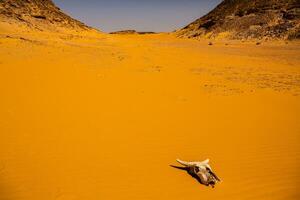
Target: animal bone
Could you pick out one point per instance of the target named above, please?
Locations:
(201, 171)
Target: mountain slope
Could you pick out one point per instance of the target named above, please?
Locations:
(243, 19)
(38, 14)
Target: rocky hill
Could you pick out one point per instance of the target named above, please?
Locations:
(38, 14)
(131, 32)
(245, 19)
(125, 32)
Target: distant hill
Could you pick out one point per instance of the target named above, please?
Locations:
(124, 32)
(131, 32)
(248, 19)
(38, 14)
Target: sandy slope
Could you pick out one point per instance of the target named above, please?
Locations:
(102, 117)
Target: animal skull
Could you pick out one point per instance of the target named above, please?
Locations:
(200, 171)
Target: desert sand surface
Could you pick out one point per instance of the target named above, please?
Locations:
(95, 116)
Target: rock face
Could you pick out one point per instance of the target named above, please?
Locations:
(125, 32)
(131, 32)
(38, 14)
(244, 19)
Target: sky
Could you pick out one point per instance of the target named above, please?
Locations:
(140, 15)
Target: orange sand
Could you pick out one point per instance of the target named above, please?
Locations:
(95, 116)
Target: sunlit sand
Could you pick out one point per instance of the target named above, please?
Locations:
(95, 116)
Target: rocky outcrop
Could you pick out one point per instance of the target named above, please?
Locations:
(132, 32)
(124, 32)
(243, 19)
(38, 14)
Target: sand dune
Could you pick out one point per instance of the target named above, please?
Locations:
(95, 116)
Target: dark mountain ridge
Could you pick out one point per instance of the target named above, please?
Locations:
(248, 19)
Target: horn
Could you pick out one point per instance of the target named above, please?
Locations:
(205, 161)
(177, 167)
(187, 164)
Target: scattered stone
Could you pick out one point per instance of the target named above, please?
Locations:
(210, 43)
